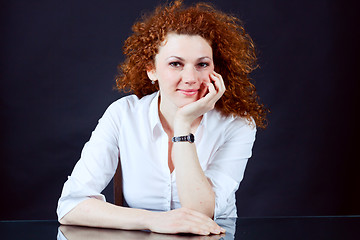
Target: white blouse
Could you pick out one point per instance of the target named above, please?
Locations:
(130, 129)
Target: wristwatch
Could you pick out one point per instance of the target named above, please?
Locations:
(188, 138)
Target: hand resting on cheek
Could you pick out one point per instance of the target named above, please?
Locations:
(211, 93)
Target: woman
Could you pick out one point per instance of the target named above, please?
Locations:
(183, 138)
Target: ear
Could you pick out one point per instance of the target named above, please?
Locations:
(151, 74)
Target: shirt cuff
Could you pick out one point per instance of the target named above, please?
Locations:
(224, 188)
(73, 194)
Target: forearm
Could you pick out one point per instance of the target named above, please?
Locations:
(96, 213)
(194, 189)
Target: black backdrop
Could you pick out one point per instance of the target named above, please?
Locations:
(58, 61)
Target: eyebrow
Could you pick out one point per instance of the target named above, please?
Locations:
(181, 59)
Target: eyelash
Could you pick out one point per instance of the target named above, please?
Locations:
(175, 64)
(203, 64)
(178, 64)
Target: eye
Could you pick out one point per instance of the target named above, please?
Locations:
(203, 64)
(175, 64)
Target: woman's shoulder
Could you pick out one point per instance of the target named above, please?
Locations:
(216, 119)
(230, 127)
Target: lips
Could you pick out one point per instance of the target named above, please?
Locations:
(188, 92)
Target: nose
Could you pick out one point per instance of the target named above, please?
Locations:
(189, 75)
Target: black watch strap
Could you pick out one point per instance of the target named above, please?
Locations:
(188, 138)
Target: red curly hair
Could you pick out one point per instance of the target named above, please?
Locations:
(233, 51)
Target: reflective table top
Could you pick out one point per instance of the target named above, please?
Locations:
(317, 227)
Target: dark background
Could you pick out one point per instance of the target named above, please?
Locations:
(59, 58)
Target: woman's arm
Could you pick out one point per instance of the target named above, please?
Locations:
(96, 213)
(194, 189)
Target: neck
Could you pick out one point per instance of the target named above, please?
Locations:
(167, 118)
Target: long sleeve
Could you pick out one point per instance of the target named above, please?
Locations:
(226, 168)
(96, 167)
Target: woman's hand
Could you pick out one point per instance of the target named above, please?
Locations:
(183, 220)
(211, 93)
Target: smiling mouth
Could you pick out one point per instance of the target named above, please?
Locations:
(188, 92)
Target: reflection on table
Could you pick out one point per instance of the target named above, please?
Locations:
(86, 233)
(297, 227)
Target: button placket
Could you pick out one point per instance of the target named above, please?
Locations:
(164, 162)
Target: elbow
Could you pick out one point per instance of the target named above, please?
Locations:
(210, 206)
(210, 211)
(206, 207)
(64, 221)
(207, 210)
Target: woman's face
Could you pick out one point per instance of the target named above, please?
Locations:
(182, 64)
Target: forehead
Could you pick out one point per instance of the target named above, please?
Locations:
(185, 46)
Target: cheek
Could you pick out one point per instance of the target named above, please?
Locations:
(168, 79)
(205, 75)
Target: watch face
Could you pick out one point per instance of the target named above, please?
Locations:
(191, 138)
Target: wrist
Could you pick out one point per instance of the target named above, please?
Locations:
(152, 221)
(186, 138)
(181, 127)
(181, 130)
(148, 220)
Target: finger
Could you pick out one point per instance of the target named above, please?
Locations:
(196, 226)
(192, 226)
(211, 88)
(218, 81)
(213, 96)
(203, 90)
(217, 86)
(202, 218)
(205, 226)
(219, 77)
(211, 93)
